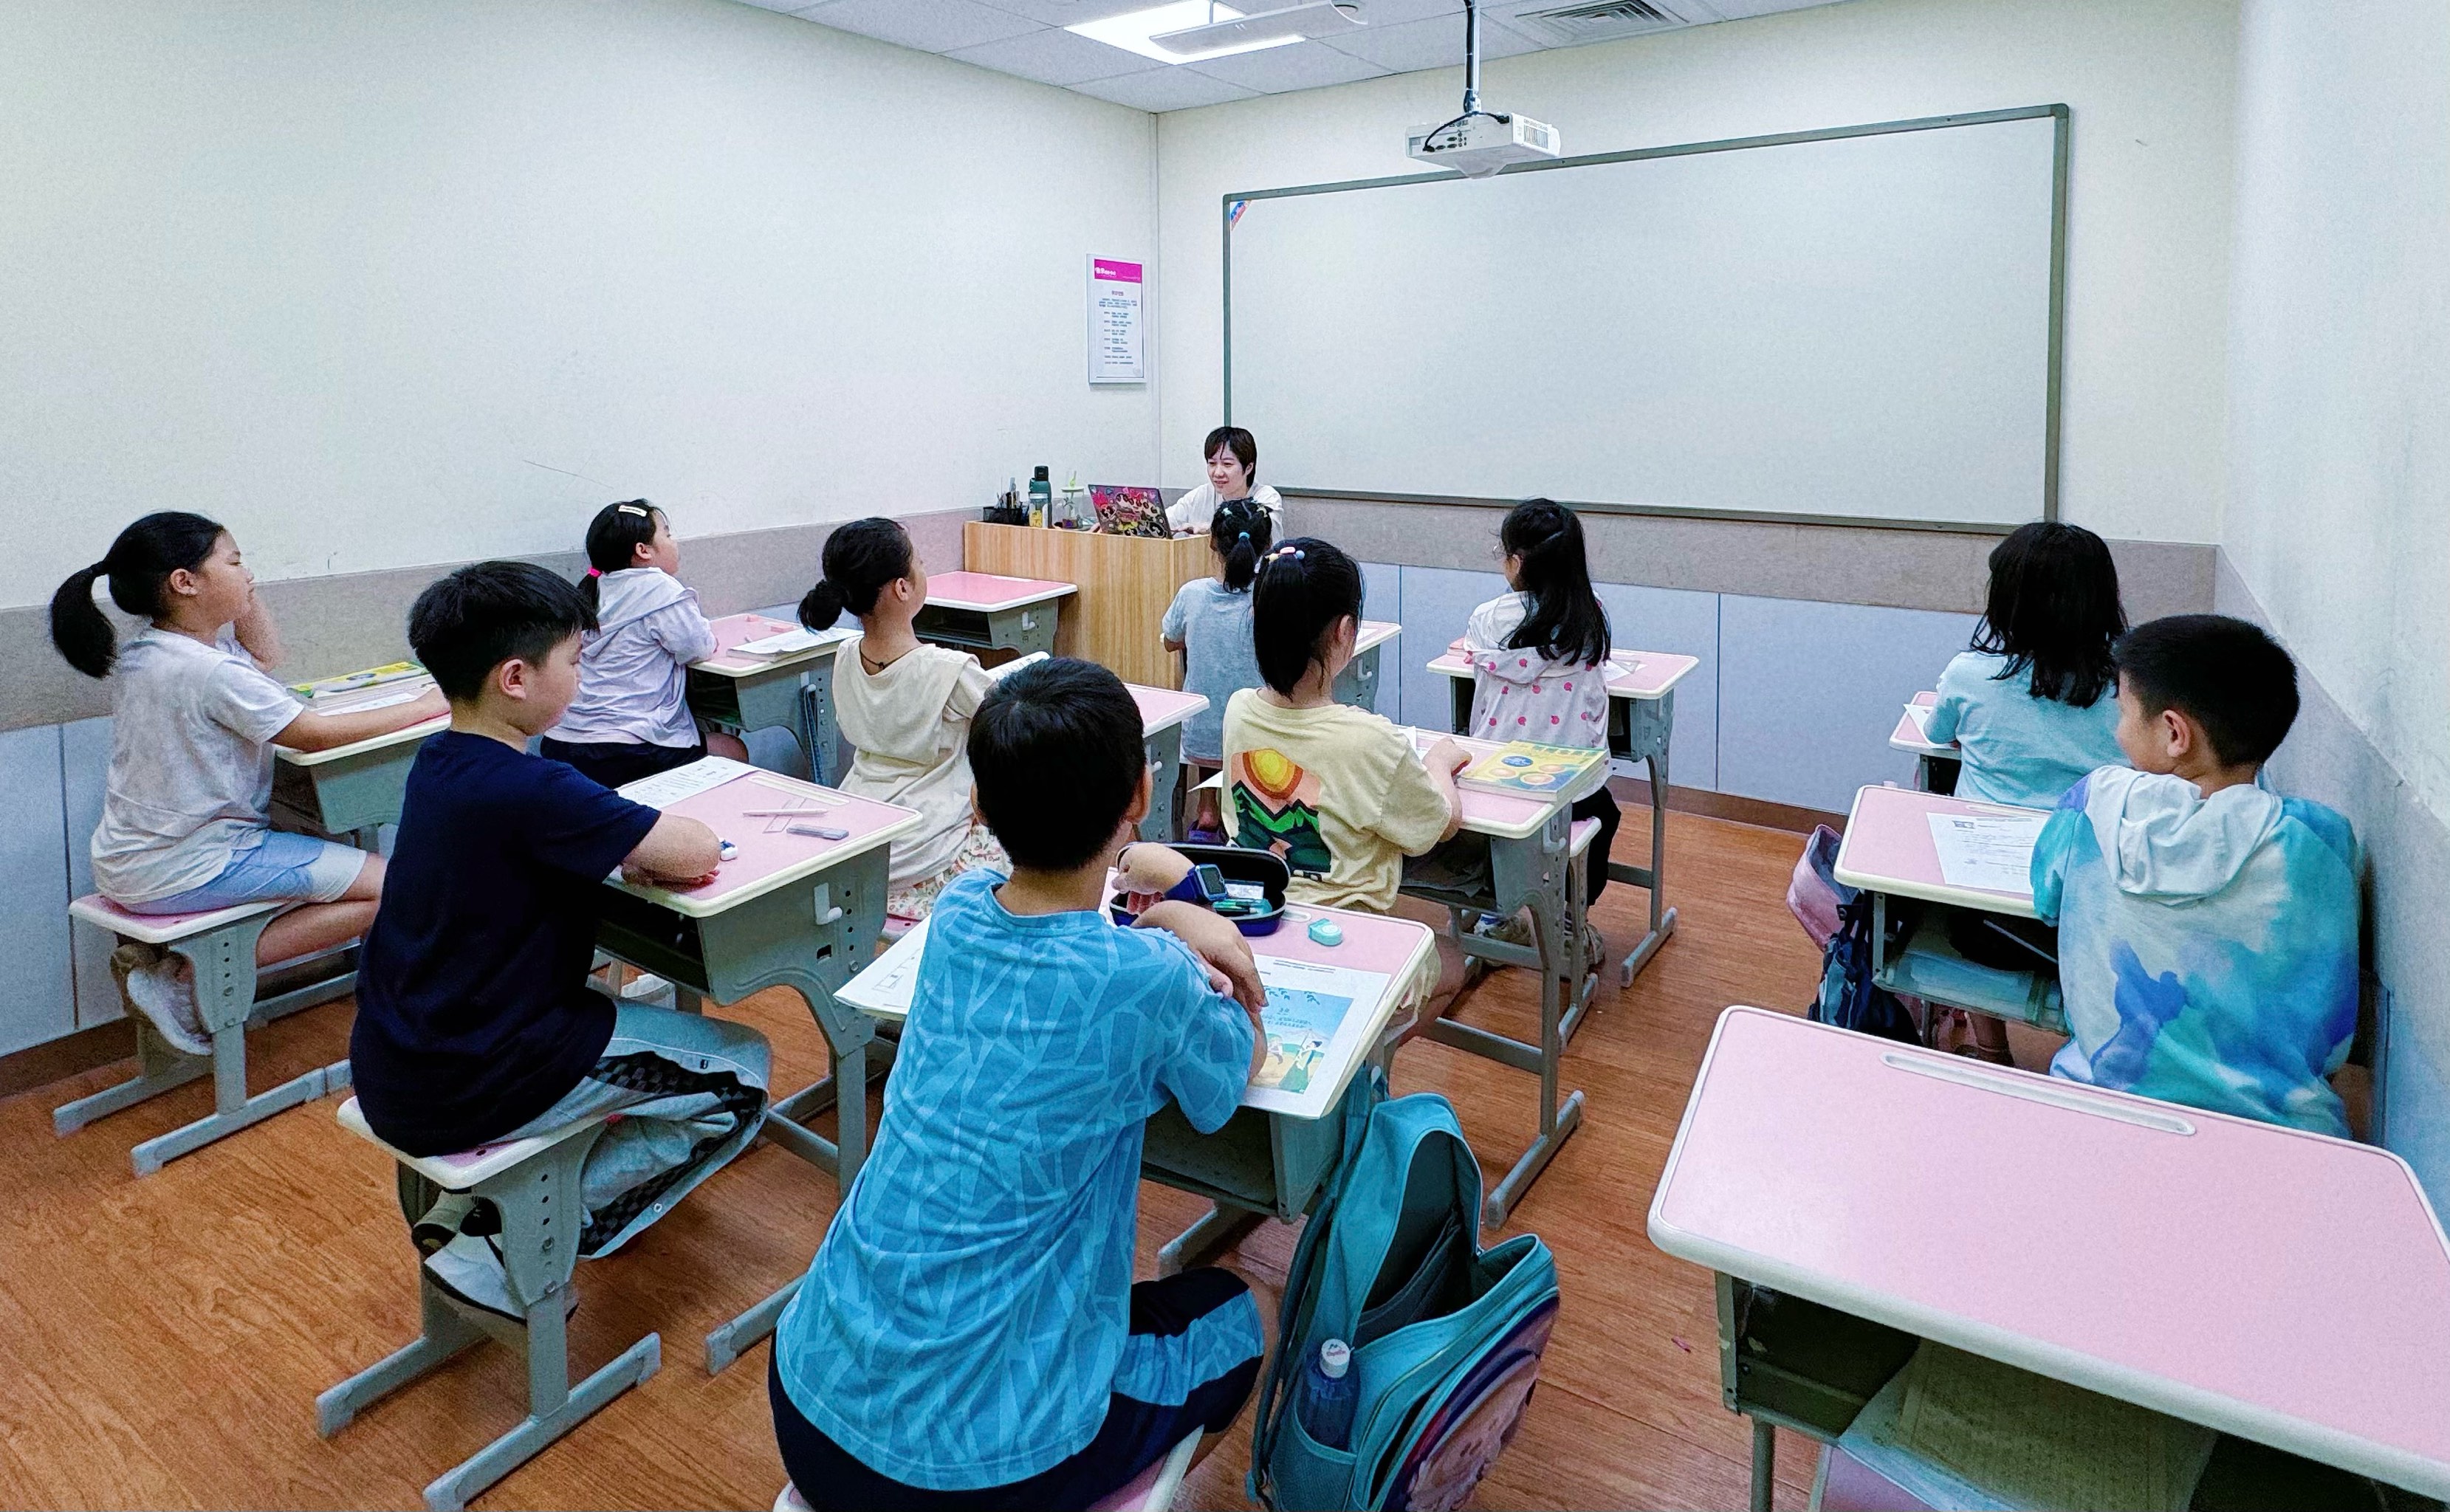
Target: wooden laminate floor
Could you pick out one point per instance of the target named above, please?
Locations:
(161, 1340)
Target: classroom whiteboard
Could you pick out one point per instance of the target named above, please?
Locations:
(1859, 324)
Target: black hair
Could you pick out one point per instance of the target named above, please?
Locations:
(1302, 589)
(2225, 674)
(465, 625)
(860, 559)
(2053, 609)
(1240, 530)
(1244, 446)
(1567, 622)
(1056, 751)
(612, 541)
(138, 564)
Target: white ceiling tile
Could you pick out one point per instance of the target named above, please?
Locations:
(1740, 9)
(1301, 66)
(930, 26)
(1071, 12)
(1395, 12)
(1055, 56)
(1166, 89)
(777, 5)
(1437, 43)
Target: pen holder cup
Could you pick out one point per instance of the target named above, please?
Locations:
(1264, 869)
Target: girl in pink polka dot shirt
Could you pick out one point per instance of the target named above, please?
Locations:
(1539, 655)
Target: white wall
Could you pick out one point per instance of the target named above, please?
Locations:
(2340, 359)
(384, 285)
(2151, 84)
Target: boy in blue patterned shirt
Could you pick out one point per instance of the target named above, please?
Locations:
(2207, 928)
(969, 1334)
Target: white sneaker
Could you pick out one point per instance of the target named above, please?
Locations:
(166, 998)
(469, 1269)
(649, 988)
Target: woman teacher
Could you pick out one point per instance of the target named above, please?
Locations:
(1232, 455)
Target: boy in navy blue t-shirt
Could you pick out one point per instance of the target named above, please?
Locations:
(476, 1022)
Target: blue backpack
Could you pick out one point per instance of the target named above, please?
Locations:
(1445, 1336)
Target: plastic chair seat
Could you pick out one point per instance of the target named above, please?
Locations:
(1579, 838)
(462, 1170)
(161, 929)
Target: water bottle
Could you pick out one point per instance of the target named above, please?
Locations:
(1328, 1389)
(1041, 496)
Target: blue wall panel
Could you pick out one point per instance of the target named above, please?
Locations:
(84, 763)
(1680, 620)
(1809, 692)
(1437, 603)
(40, 1002)
(1382, 597)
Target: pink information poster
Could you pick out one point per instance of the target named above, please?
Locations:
(1117, 352)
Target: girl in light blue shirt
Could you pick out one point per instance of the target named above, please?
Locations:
(1208, 622)
(2033, 704)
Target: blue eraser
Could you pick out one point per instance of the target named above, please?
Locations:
(726, 849)
(1326, 932)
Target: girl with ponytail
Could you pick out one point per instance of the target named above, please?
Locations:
(904, 706)
(1338, 791)
(1539, 657)
(186, 806)
(1209, 623)
(632, 717)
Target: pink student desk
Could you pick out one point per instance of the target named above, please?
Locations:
(1534, 863)
(1889, 853)
(1642, 722)
(785, 911)
(1268, 1160)
(1936, 763)
(734, 690)
(983, 612)
(2286, 1287)
(1162, 713)
(353, 789)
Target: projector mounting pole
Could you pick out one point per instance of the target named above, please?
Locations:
(1470, 58)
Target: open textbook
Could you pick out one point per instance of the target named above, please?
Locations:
(1321, 1020)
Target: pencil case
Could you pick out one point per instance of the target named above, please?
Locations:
(1264, 869)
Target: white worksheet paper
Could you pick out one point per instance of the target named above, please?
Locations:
(664, 789)
(1319, 1021)
(789, 642)
(1990, 850)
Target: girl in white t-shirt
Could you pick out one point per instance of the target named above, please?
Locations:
(1233, 456)
(186, 806)
(1539, 657)
(904, 706)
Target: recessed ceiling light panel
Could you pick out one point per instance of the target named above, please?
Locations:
(1136, 32)
(1297, 23)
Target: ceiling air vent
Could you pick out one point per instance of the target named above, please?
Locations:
(1564, 25)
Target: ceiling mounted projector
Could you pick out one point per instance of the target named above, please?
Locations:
(1301, 23)
(1480, 142)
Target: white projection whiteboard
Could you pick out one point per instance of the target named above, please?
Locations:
(1857, 326)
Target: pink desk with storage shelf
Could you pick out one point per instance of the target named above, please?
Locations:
(1162, 713)
(352, 789)
(1262, 1163)
(1889, 853)
(1935, 765)
(738, 692)
(1642, 722)
(984, 611)
(786, 911)
(2282, 1287)
(1532, 865)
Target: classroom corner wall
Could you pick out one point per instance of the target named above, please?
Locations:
(2337, 533)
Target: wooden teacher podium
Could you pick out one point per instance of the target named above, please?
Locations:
(1125, 583)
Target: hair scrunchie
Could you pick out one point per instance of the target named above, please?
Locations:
(595, 571)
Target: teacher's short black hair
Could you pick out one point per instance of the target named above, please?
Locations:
(1056, 753)
(465, 625)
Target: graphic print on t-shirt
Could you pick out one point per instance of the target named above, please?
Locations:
(1276, 809)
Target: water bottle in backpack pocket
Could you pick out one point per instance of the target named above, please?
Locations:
(1445, 1337)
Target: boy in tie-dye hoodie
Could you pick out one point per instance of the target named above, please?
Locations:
(2207, 928)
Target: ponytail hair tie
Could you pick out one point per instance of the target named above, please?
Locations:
(595, 571)
(1244, 537)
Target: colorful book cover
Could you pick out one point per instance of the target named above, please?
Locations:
(1520, 767)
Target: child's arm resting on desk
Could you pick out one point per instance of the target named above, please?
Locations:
(678, 849)
(311, 732)
(1204, 1078)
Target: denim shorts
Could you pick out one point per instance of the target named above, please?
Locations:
(295, 868)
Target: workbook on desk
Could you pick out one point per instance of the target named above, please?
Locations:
(791, 642)
(1528, 769)
(1318, 1019)
(375, 688)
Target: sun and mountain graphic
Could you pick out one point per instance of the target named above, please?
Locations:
(1276, 809)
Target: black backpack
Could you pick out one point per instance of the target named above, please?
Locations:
(1848, 997)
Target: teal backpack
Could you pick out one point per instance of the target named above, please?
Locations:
(1445, 1336)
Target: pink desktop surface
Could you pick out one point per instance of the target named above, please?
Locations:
(1888, 836)
(987, 590)
(2297, 1274)
(1631, 674)
(1906, 734)
(765, 846)
(1161, 708)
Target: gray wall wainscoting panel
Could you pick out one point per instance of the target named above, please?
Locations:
(84, 765)
(40, 1005)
